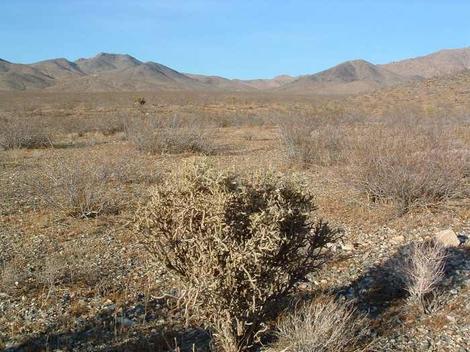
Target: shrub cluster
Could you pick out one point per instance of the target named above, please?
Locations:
(408, 167)
(168, 136)
(23, 133)
(308, 140)
(81, 187)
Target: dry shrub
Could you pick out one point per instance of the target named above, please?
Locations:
(408, 165)
(234, 247)
(421, 269)
(81, 187)
(168, 135)
(106, 124)
(16, 133)
(310, 140)
(110, 125)
(324, 325)
(237, 120)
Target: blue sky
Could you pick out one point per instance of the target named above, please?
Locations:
(235, 39)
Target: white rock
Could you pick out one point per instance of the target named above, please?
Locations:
(398, 239)
(447, 238)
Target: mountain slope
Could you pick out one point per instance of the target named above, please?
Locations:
(107, 62)
(108, 72)
(443, 62)
(22, 77)
(218, 82)
(451, 92)
(59, 68)
(275, 82)
(126, 74)
(347, 78)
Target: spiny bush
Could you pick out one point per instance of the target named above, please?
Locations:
(235, 247)
(408, 167)
(324, 325)
(23, 133)
(168, 136)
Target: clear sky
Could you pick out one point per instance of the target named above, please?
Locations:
(235, 39)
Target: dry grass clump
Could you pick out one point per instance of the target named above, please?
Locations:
(324, 325)
(310, 140)
(408, 166)
(168, 135)
(421, 269)
(235, 248)
(17, 133)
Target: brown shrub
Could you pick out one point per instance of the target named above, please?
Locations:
(234, 247)
(309, 140)
(324, 325)
(80, 187)
(408, 165)
(168, 135)
(23, 133)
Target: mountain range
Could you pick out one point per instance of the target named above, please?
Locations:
(115, 72)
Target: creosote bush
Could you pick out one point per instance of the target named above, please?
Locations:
(168, 135)
(324, 325)
(23, 133)
(234, 247)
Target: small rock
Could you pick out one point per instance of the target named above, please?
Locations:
(398, 239)
(450, 318)
(447, 238)
(347, 247)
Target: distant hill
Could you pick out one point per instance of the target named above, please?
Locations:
(450, 91)
(21, 77)
(109, 72)
(59, 68)
(107, 62)
(346, 78)
(221, 82)
(115, 72)
(275, 82)
(443, 62)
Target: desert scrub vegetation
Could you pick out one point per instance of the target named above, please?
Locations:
(323, 325)
(21, 132)
(309, 140)
(82, 187)
(411, 166)
(234, 247)
(168, 135)
(420, 269)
